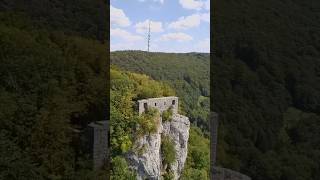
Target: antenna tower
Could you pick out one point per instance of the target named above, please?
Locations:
(149, 37)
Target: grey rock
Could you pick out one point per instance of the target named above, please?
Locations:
(178, 130)
(148, 163)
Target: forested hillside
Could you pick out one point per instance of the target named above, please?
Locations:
(188, 76)
(127, 126)
(266, 87)
(53, 77)
(187, 73)
(85, 18)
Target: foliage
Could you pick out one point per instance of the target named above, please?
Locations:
(266, 87)
(187, 73)
(192, 173)
(148, 121)
(84, 18)
(50, 81)
(168, 176)
(167, 150)
(198, 159)
(167, 114)
(120, 170)
(126, 88)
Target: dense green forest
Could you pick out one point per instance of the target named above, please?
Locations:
(126, 125)
(53, 78)
(266, 87)
(188, 75)
(53, 70)
(85, 18)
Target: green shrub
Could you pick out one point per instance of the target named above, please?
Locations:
(148, 121)
(192, 173)
(198, 161)
(120, 170)
(168, 176)
(167, 115)
(167, 149)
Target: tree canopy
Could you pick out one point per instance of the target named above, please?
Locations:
(265, 87)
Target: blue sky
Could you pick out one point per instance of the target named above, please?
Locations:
(176, 25)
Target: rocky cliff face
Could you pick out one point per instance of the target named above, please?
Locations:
(148, 161)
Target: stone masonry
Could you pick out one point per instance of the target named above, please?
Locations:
(148, 163)
(161, 104)
(99, 143)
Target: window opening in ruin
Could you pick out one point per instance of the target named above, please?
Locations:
(155, 104)
(145, 105)
(173, 102)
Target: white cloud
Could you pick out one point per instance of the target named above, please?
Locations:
(205, 17)
(203, 45)
(189, 21)
(207, 5)
(125, 35)
(142, 27)
(181, 37)
(186, 22)
(160, 1)
(118, 17)
(192, 4)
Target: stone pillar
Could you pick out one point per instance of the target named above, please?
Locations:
(99, 143)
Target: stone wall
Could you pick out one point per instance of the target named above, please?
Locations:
(161, 104)
(219, 173)
(99, 143)
(148, 162)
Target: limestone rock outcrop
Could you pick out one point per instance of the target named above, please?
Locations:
(178, 130)
(148, 162)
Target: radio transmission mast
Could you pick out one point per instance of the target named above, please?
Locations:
(149, 37)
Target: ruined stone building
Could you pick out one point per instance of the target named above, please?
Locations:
(98, 133)
(93, 142)
(148, 164)
(161, 104)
